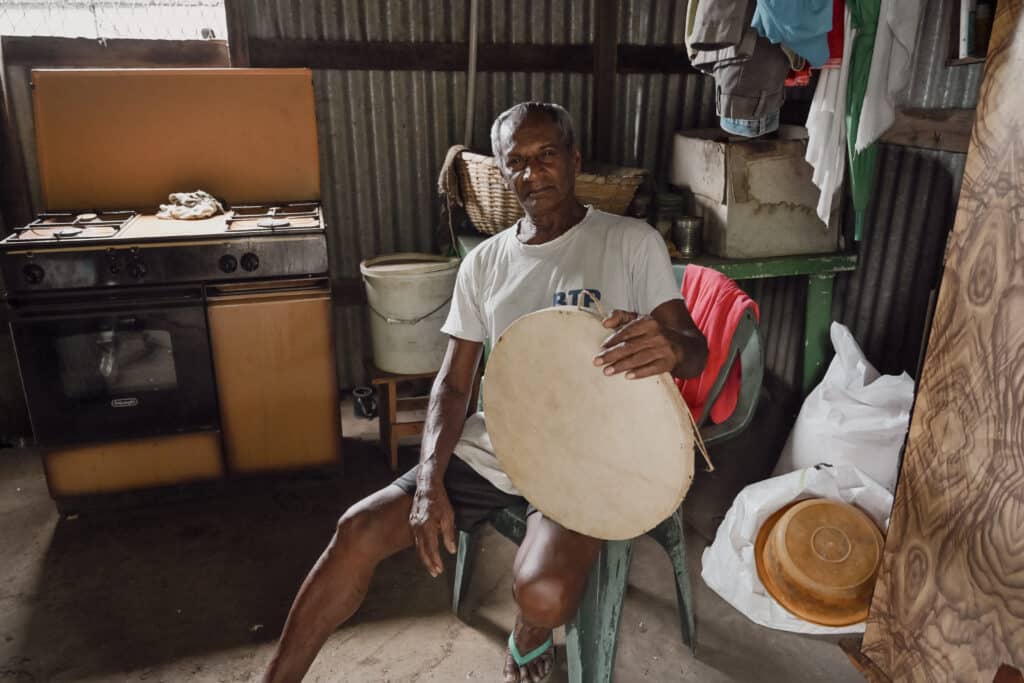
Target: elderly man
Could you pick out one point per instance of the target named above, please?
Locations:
(557, 249)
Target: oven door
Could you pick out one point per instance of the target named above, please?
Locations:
(111, 365)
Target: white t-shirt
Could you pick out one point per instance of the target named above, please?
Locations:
(622, 261)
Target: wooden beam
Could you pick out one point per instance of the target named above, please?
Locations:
(359, 55)
(238, 31)
(606, 41)
(38, 51)
(947, 130)
(663, 59)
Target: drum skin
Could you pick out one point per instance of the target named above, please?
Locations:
(607, 457)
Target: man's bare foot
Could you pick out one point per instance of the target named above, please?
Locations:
(528, 639)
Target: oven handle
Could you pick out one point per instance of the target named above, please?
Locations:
(75, 307)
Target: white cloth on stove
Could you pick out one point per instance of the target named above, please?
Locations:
(190, 206)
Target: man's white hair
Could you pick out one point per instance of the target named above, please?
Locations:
(515, 116)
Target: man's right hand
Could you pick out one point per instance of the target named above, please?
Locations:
(432, 514)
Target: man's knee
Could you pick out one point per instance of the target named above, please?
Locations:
(357, 531)
(546, 599)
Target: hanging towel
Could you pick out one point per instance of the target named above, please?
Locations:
(826, 130)
(891, 65)
(716, 305)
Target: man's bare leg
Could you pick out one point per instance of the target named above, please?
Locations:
(550, 575)
(368, 532)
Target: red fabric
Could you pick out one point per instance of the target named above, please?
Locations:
(798, 78)
(716, 304)
(835, 36)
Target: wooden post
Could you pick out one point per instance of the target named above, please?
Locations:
(606, 41)
(238, 32)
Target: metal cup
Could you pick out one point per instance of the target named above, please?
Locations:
(686, 234)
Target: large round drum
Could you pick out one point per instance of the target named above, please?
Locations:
(604, 456)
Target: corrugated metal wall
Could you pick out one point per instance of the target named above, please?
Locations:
(384, 136)
(884, 302)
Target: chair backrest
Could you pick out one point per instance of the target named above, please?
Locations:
(746, 345)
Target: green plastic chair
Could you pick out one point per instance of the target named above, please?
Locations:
(592, 635)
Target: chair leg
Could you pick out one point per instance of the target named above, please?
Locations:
(669, 534)
(392, 441)
(463, 569)
(592, 635)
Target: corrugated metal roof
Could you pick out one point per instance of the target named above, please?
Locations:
(541, 22)
(652, 22)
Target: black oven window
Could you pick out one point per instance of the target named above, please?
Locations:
(116, 362)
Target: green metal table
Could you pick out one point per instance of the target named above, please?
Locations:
(819, 269)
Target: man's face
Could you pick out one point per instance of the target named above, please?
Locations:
(538, 166)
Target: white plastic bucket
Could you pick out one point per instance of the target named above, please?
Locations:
(409, 297)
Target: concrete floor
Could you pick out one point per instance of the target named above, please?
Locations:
(195, 586)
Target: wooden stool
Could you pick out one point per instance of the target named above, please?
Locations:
(391, 430)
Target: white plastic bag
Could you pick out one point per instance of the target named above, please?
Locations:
(853, 417)
(728, 565)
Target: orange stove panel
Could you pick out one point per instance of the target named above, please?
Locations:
(126, 138)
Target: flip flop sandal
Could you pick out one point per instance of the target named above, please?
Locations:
(522, 660)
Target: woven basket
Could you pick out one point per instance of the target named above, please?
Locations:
(474, 182)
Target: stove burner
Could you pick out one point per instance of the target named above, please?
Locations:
(62, 225)
(294, 216)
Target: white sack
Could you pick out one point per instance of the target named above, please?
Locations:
(728, 566)
(854, 417)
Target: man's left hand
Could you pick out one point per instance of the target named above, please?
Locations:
(639, 347)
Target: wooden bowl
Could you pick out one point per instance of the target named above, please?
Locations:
(819, 559)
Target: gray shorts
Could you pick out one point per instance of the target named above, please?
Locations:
(474, 499)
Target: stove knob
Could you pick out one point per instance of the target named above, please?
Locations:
(137, 269)
(228, 263)
(33, 274)
(250, 262)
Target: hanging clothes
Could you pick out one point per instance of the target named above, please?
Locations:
(864, 17)
(749, 70)
(835, 36)
(802, 26)
(719, 32)
(826, 128)
(750, 93)
(799, 78)
(891, 64)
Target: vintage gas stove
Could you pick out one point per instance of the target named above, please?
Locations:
(154, 351)
(76, 250)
